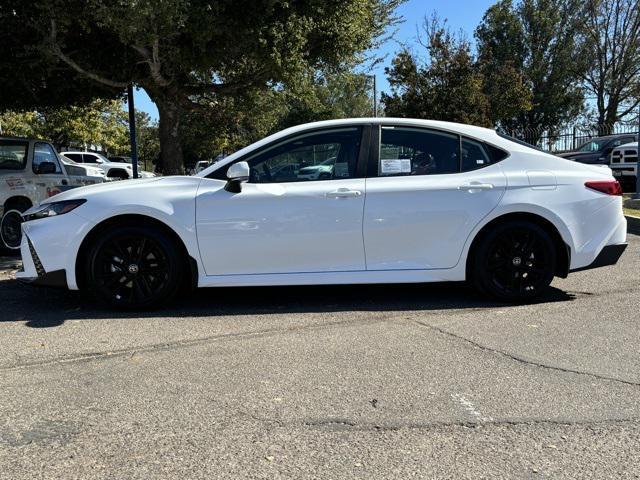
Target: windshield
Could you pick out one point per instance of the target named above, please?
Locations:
(593, 146)
(13, 154)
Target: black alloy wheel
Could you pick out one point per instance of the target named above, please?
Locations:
(516, 261)
(134, 268)
(11, 230)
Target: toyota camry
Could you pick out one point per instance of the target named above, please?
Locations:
(400, 201)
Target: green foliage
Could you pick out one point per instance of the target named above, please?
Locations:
(180, 50)
(230, 122)
(531, 45)
(447, 87)
(100, 123)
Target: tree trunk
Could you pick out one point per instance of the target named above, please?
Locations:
(171, 158)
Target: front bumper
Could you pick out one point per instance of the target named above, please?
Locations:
(48, 250)
(31, 263)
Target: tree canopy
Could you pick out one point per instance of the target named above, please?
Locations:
(190, 53)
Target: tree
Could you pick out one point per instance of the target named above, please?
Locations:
(177, 50)
(101, 123)
(29, 77)
(250, 115)
(611, 53)
(447, 86)
(534, 40)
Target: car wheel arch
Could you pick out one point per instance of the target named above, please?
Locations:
(137, 220)
(17, 201)
(563, 250)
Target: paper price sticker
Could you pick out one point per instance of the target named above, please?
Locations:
(393, 166)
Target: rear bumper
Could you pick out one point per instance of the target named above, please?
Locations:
(609, 255)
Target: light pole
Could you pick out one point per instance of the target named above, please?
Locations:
(636, 196)
(375, 94)
(132, 131)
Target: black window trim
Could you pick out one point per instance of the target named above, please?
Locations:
(376, 138)
(221, 172)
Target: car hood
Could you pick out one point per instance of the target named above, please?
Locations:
(122, 186)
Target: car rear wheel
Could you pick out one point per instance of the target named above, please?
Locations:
(515, 261)
(134, 268)
(10, 230)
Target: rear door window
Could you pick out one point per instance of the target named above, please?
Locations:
(416, 151)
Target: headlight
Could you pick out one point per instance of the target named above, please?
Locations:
(51, 209)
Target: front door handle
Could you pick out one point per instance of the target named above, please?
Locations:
(343, 193)
(475, 186)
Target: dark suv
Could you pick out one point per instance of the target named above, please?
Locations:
(597, 150)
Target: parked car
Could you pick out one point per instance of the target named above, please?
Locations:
(418, 201)
(323, 170)
(123, 159)
(113, 170)
(597, 150)
(201, 165)
(624, 164)
(30, 172)
(91, 174)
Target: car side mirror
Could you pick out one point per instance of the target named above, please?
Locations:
(237, 174)
(46, 168)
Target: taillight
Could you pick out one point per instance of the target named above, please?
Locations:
(610, 187)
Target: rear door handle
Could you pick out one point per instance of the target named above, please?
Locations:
(473, 186)
(343, 193)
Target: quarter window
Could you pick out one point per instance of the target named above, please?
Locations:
(76, 157)
(413, 151)
(45, 159)
(326, 155)
(474, 155)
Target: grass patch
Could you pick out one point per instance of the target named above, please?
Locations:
(634, 212)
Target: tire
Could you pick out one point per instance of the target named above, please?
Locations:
(118, 173)
(10, 230)
(515, 261)
(134, 268)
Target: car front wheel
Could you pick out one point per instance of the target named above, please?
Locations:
(10, 230)
(134, 267)
(515, 261)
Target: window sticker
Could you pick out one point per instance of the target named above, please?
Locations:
(395, 165)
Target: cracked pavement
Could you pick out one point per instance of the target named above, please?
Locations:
(402, 381)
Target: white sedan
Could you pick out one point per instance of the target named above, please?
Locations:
(406, 201)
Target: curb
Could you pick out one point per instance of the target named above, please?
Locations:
(633, 224)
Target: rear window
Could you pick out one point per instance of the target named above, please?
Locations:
(13, 154)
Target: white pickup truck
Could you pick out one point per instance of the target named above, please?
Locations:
(30, 172)
(624, 164)
(113, 170)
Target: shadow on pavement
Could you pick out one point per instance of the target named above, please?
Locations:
(43, 308)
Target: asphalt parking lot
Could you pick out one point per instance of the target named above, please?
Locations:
(417, 381)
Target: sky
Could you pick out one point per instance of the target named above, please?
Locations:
(460, 14)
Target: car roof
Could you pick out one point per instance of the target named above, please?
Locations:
(24, 139)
